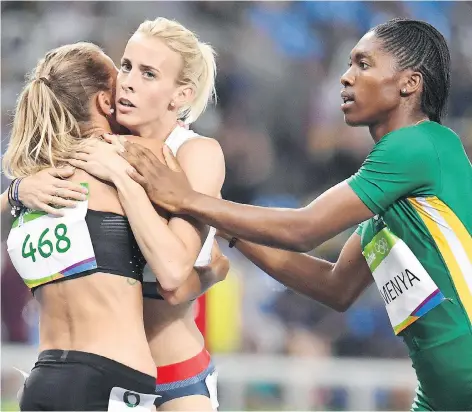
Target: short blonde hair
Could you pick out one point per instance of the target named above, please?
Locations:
(54, 107)
(199, 66)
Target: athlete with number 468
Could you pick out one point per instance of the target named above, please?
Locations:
(82, 262)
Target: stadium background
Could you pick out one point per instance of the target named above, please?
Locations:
(282, 132)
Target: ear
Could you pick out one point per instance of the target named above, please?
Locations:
(183, 96)
(104, 103)
(411, 83)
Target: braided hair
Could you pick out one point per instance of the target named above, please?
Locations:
(417, 45)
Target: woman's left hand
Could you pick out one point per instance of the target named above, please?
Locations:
(100, 159)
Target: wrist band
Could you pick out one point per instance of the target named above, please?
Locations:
(13, 197)
(232, 242)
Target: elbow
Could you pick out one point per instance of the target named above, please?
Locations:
(173, 275)
(302, 246)
(342, 305)
(173, 298)
(303, 238)
(301, 243)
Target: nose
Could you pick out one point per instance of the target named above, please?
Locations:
(125, 81)
(126, 87)
(347, 79)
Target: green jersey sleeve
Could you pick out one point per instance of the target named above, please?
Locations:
(403, 163)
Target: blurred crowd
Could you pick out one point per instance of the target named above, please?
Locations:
(280, 126)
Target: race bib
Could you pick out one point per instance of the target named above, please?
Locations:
(211, 382)
(126, 400)
(407, 289)
(44, 248)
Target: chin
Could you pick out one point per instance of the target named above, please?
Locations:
(124, 121)
(353, 122)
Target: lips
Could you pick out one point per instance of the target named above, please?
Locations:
(347, 96)
(348, 99)
(125, 102)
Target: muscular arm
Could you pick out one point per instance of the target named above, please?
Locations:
(336, 285)
(200, 279)
(171, 249)
(294, 229)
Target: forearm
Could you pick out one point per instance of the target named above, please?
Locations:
(199, 281)
(164, 252)
(7, 217)
(305, 274)
(301, 230)
(277, 227)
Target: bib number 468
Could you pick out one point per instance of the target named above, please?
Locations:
(45, 247)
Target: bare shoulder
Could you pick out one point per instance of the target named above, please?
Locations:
(203, 161)
(202, 152)
(203, 146)
(102, 196)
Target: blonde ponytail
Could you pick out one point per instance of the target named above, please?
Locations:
(54, 107)
(44, 132)
(206, 92)
(199, 66)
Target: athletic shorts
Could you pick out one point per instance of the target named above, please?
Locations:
(444, 376)
(195, 376)
(81, 381)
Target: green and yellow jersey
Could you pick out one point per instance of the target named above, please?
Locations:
(418, 182)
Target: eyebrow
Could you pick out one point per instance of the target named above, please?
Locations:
(143, 67)
(361, 54)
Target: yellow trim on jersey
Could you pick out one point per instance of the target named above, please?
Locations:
(453, 241)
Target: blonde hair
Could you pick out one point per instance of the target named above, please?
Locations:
(53, 108)
(199, 67)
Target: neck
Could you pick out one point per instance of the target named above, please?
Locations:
(378, 130)
(95, 130)
(159, 129)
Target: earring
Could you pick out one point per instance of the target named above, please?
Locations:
(404, 91)
(172, 104)
(112, 111)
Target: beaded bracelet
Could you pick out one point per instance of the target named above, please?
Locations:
(232, 242)
(13, 197)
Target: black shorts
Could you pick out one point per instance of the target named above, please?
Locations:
(81, 381)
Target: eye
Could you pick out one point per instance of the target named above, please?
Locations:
(349, 64)
(125, 67)
(149, 75)
(363, 65)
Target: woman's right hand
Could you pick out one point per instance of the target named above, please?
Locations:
(48, 187)
(100, 159)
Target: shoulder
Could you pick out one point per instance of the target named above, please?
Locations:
(201, 158)
(202, 145)
(203, 151)
(405, 145)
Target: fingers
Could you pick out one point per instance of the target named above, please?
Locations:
(79, 164)
(109, 138)
(170, 159)
(59, 201)
(49, 209)
(80, 156)
(114, 139)
(61, 172)
(136, 176)
(69, 194)
(215, 251)
(70, 187)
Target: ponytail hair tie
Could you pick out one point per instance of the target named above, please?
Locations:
(45, 81)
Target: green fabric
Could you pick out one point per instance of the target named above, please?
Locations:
(424, 161)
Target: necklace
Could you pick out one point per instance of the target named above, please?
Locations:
(420, 121)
